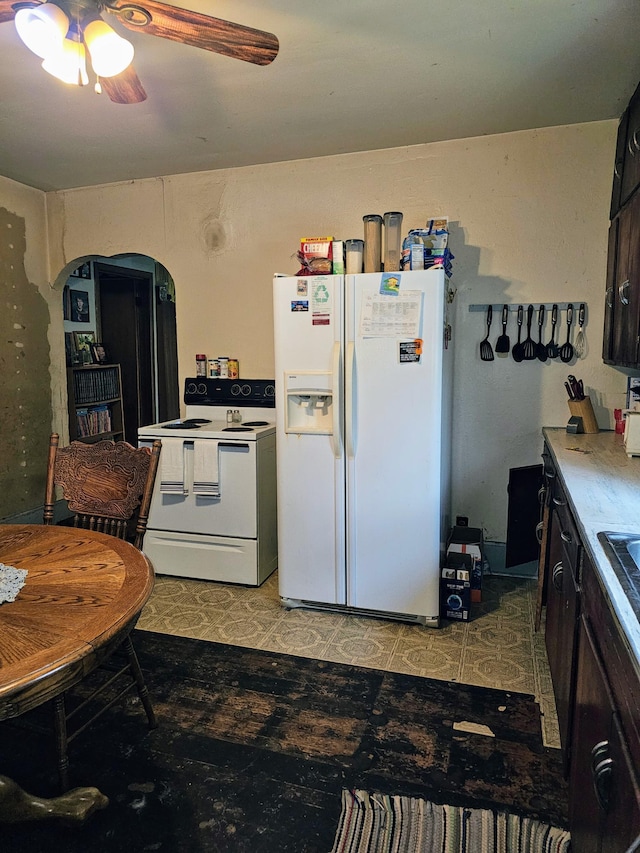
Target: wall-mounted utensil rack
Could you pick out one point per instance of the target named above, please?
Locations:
(513, 306)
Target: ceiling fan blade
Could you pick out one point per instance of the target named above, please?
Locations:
(124, 88)
(192, 28)
(7, 12)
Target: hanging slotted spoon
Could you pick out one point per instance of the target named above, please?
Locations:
(529, 345)
(503, 344)
(566, 350)
(578, 345)
(552, 346)
(486, 350)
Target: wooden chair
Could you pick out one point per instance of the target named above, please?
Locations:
(108, 486)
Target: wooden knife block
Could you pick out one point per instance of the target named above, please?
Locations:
(583, 409)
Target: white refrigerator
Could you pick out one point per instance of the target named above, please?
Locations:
(363, 371)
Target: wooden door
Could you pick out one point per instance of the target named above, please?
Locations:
(126, 330)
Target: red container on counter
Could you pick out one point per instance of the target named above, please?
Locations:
(234, 368)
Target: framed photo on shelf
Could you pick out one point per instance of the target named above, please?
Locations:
(99, 354)
(83, 271)
(79, 310)
(83, 342)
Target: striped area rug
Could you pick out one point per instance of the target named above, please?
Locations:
(376, 823)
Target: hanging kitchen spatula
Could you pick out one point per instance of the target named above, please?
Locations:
(486, 350)
(503, 344)
(552, 347)
(578, 345)
(566, 350)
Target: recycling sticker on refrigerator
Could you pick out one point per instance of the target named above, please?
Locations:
(321, 303)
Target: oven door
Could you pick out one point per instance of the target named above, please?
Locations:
(234, 513)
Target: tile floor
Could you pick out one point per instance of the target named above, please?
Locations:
(498, 648)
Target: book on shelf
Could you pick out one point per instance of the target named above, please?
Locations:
(93, 420)
(95, 385)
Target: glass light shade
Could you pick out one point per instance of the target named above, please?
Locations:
(110, 53)
(68, 63)
(42, 29)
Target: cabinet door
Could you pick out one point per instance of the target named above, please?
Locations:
(618, 166)
(609, 298)
(627, 286)
(562, 613)
(592, 727)
(631, 168)
(622, 819)
(604, 799)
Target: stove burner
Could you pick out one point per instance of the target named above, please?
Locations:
(196, 421)
(238, 429)
(182, 425)
(256, 423)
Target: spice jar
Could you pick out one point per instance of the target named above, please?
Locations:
(201, 364)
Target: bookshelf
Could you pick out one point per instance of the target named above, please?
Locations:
(95, 402)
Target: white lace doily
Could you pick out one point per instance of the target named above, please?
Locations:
(11, 582)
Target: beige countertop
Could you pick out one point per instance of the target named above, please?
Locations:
(603, 488)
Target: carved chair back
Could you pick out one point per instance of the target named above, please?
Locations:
(104, 484)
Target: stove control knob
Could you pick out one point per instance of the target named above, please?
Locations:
(235, 389)
(202, 388)
(191, 388)
(270, 391)
(245, 390)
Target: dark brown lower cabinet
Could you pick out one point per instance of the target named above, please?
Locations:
(563, 561)
(604, 798)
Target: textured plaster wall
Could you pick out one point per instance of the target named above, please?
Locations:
(26, 387)
(529, 214)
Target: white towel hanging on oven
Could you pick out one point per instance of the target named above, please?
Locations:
(172, 467)
(206, 472)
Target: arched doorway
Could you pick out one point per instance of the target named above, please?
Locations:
(128, 309)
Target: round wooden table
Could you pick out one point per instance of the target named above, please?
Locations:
(82, 591)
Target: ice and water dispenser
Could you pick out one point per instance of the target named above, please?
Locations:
(309, 403)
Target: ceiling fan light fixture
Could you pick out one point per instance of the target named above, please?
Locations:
(68, 63)
(42, 28)
(110, 53)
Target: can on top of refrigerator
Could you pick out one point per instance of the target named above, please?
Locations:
(234, 368)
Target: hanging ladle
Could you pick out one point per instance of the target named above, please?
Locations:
(517, 351)
(541, 349)
(566, 350)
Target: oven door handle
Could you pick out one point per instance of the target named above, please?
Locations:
(242, 444)
(336, 438)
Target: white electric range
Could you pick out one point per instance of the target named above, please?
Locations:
(213, 511)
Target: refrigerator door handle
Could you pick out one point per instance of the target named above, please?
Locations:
(348, 398)
(336, 439)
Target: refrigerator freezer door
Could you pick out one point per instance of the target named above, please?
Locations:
(308, 324)
(394, 444)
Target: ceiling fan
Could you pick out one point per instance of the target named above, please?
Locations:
(63, 32)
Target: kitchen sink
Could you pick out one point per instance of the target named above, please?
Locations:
(623, 552)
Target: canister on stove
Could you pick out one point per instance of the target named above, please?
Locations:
(224, 367)
(234, 368)
(213, 370)
(201, 364)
